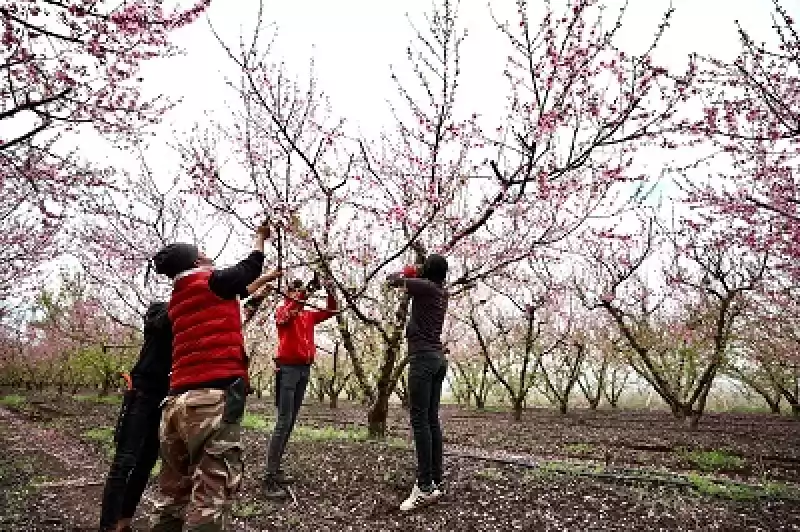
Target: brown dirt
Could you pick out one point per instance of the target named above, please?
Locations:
(348, 485)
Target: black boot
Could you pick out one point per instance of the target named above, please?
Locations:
(284, 478)
(272, 488)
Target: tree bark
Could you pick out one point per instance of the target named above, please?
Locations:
(376, 418)
(517, 406)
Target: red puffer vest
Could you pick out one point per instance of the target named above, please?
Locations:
(208, 343)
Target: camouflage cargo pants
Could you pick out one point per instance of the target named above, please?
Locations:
(201, 457)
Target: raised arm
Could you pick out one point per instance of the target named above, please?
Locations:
(332, 305)
(233, 282)
(255, 288)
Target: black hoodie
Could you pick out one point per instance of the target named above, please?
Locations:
(151, 372)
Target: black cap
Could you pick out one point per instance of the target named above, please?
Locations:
(435, 268)
(175, 258)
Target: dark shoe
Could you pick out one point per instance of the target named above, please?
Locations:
(273, 489)
(282, 477)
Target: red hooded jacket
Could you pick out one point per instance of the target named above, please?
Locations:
(296, 330)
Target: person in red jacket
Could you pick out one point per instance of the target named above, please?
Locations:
(200, 424)
(296, 350)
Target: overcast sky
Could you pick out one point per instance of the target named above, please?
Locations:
(354, 43)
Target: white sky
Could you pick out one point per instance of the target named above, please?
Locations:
(355, 41)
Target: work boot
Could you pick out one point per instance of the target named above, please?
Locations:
(272, 488)
(284, 478)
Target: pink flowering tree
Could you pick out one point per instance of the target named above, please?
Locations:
(751, 127)
(471, 381)
(71, 339)
(122, 228)
(521, 325)
(67, 65)
(676, 296)
(436, 181)
(767, 343)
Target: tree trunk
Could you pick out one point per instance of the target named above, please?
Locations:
(693, 420)
(517, 405)
(378, 413)
(480, 403)
(795, 409)
(774, 406)
(106, 386)
(334, 403)
(594, 403)
(562, 407)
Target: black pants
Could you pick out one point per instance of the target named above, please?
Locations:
(426, 374)
(290, 391)
(136, 454)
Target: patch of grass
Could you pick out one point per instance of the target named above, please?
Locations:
(111, 399)
(104, 436)
(247, 509)
(12, 400)
(491, 473)
(256, 422)
(712, 487)
(578, 448)
(714, 460)
(260, 423)
(156, 469)
(305, 433)
(100, 434)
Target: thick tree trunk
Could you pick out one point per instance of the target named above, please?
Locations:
(377, 416)
(334, 403)
(562, 407)
(517, 407)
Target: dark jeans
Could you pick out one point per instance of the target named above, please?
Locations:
(136, 454)
(290, 390)
(426, 374)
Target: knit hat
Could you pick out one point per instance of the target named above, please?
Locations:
(435, 268)
(175, 258)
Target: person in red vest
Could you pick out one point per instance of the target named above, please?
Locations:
(296, 350)
(201, 420)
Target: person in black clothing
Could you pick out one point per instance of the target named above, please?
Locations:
(427, 370)
(136, 435)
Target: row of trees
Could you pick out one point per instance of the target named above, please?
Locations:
(566, 248)
(497, 353)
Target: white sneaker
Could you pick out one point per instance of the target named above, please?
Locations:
(417, 499)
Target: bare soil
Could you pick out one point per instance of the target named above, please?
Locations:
(600, 470)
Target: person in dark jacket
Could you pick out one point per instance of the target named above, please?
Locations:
(426, 372)
(136, 435)
(296, 351)
(200, 432)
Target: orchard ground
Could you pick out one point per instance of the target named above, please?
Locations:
(589, 470)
